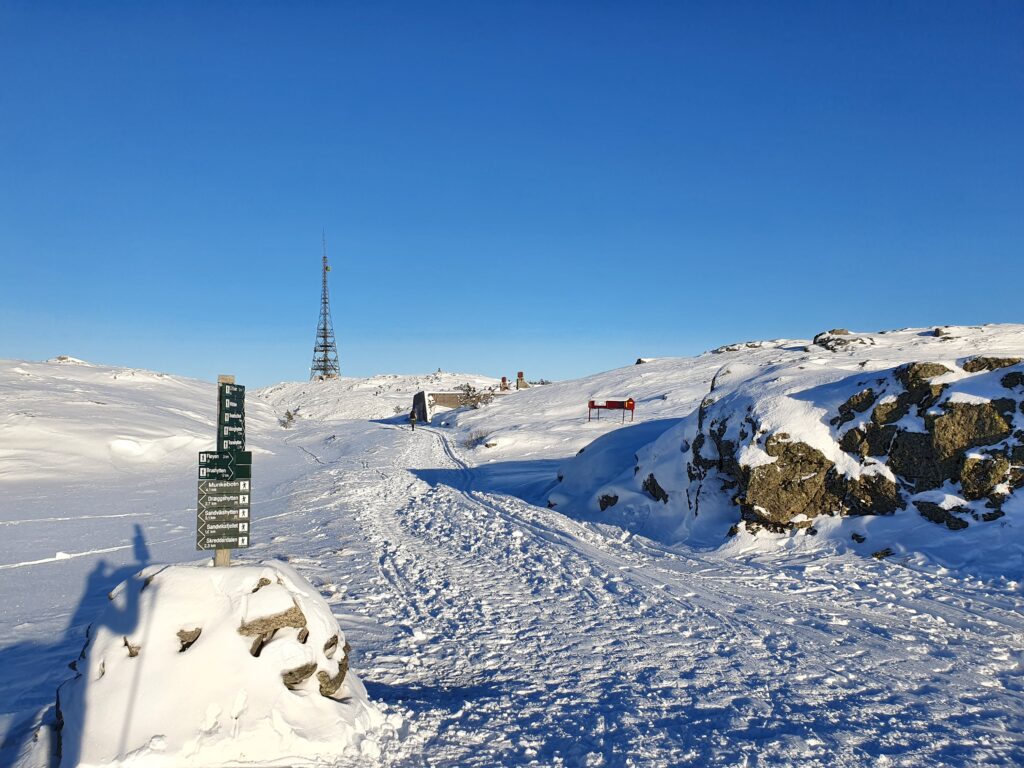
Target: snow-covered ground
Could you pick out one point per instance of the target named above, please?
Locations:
(491, 630)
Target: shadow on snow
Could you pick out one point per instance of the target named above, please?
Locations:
(33, 706)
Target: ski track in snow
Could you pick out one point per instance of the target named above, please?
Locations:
(509, 634)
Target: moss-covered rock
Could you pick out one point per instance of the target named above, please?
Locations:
(967, 425)
(981, 363)
(872, 495)
(801, 481)
(911, 375)
(858, 403)
(891, 411)
(872, 440)
(916, 380)
(980, 476)
(912, 458)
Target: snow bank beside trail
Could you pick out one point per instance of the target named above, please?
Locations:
(375, 397)
(67, 419)
(191, 665)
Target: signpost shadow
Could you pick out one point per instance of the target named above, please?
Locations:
(22, 661)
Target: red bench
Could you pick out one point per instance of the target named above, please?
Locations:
(612, 404)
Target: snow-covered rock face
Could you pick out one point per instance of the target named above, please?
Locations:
(194, 665)
(823, 436)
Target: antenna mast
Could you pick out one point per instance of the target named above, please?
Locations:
(325, 351)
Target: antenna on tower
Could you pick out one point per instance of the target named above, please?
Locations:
(325, 351)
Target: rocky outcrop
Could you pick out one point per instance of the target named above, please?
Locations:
(858, 403)
(917, 438)
(979, 477)
(838, 339)
(981, 363)
(941, 516)
(652, 487)
(802, 484)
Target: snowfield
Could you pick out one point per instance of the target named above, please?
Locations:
(489, 629)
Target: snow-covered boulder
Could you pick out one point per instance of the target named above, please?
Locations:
(195, 665)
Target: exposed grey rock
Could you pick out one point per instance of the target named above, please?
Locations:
(1013, 380)
(609, 500)
(331, 646)
(979, 477)
(857, 403)
(133, 650)
(916, 380)
(967, 425)
(293, 617)
(293, 678)
(188, 637)
(329, 685)
(941, 516)
(837, 339)
(799, 482)
(872, 495)
(891, 411)
(912, 457)
(981, 363)
(652, 487)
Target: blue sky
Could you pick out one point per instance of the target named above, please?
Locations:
(559, 187)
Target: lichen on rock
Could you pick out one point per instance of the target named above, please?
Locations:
(979, 476)
(983, 363)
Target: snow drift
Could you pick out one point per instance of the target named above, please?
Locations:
(194, 665)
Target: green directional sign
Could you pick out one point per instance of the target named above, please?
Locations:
(231, 417)
(222, 511)
(225, 465)
(236, 418)
(234, 540)
(223, 501)
(224, 458)
(224, 486)
(232, 392)
(223, 528)
(233, 443)
(221, 515)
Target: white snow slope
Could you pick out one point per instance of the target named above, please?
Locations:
(497, 631)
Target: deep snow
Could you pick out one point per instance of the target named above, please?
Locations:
(495, 630)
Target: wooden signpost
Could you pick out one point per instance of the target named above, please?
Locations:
(225, 479)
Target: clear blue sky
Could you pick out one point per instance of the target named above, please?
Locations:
(559, 187)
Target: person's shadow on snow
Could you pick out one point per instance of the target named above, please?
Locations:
(21, 662)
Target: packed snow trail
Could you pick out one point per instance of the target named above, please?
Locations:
(508, 634)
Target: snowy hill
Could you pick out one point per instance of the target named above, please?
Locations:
(745, 446)
(66, 417)
(488, 630)
(376, 397)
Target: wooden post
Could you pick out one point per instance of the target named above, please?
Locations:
(222, 557)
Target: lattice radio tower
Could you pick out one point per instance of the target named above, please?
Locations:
(325, 351)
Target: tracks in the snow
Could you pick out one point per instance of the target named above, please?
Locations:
(519, 634)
